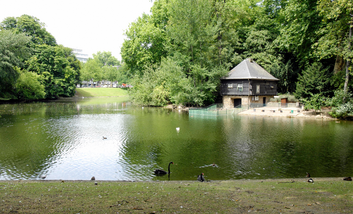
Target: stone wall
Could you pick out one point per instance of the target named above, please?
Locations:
(228, 101)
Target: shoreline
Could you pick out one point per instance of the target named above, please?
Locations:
(288, 112)
(325, 195)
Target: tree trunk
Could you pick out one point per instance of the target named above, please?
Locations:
(339, 65)
(348, 60)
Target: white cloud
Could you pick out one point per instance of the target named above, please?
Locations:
(88, 25)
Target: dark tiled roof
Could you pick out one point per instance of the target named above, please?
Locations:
(249, 69)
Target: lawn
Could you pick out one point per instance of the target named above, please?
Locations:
(325, 195)
(101, 92)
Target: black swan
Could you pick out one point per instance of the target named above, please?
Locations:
(161, 171)
(201, 178)
(347, 179)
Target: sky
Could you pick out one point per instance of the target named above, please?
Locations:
(88, 25)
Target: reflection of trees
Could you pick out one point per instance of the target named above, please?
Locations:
(282, 147)
(25, 148)
(155, 143)
(31, 136)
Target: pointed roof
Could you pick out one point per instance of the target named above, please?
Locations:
(249, 69)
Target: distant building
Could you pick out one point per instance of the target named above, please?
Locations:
(247, 84)
(79, 55)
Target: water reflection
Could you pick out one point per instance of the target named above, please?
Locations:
(64, 140)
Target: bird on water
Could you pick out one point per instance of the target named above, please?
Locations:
(201, 178)
(161, 171)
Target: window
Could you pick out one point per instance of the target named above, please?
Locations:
(257, 89)
(230, 85)
(240, 87)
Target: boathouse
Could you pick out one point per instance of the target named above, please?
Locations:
(248, 84)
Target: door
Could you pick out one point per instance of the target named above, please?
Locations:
(237, 103)
(264, 101)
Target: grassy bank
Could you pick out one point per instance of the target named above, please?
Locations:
(101, 92)
(326, 195)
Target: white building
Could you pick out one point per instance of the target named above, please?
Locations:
(79, 55)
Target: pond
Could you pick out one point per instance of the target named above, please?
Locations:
(64, 140)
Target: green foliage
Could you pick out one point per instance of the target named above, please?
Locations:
(314, 80)
(342, 104)
(339, 98)
(106, 59)
(103, 66)
(30, 26)
(296, 41)
(13, 52)
(144, 46)
(58, 67)
(28, 86)
(342, 111)
(91, 70)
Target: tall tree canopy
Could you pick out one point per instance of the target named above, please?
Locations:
(205, 38)
(32, 65)
(13, 52)
(30, 26)
(103, 66)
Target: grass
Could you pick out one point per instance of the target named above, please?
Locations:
(329, 195)
(101, 92)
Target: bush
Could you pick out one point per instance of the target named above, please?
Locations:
(342, 111)
(28, 86)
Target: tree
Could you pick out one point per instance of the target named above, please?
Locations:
(13, 52)
(106, 59)
(58, 67)
(144, 46)
(314, 80)
(91, 70)
(336, 37)
(28, 86)
(30, 26)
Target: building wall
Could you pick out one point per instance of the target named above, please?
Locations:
(248, 87)
(228, 101)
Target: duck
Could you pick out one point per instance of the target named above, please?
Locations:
(93, 178)
(160, 172)
(308, 175)
(311, 180)
(347, 179)
(104, 138)
(200, 177)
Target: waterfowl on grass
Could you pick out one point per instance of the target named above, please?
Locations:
(347, 179)
(161, 171)
(93, 178)
(308, 175)
(200, 177)
(311, 180)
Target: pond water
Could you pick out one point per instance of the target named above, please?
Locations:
(64, 140)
